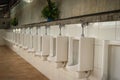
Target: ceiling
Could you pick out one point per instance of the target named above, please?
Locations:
(5, 6)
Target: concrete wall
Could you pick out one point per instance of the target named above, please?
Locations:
(28, 12)
(31, 12)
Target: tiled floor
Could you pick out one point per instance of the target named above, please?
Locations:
(13, 67)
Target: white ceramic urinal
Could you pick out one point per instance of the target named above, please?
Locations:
(80, 57)
(21, 38)
(14, 36)
(35, 39)
(38, 43)
(10, 36)
(45, 46)
(58, 50)
(30, 48)
(26, 39)
(17, 38)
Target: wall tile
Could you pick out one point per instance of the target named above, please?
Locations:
(118, 30)
(107, 30)
(93, 30)
(43, 31)
(54, 30)
(73, 30)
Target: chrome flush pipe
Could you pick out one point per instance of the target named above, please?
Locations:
(60, 30)
(83, 25)
(46, 30)
(60, 27)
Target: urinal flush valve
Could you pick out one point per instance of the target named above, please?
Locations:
(83, 25)
(60, 27)
(47, 27)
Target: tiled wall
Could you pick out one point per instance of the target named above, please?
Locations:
(100, 31)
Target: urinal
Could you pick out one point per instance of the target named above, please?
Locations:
(35, 39)
(13, 36)
(25, 42)
(26, 39)
(9, 36)
(80, 58)
(58, 50)
(30, 44)
(17, 38)
(21, 38)
(45, 47)
(35, 42)
(40, 34)
(39, 45)
(38, 42)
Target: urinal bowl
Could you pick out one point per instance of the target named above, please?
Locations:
(45, 50)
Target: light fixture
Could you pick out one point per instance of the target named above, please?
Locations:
(28, 1)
